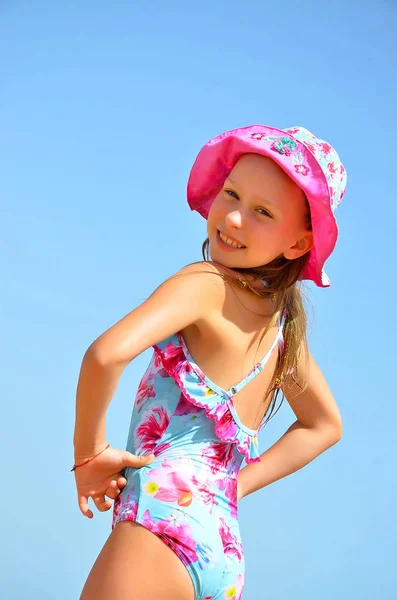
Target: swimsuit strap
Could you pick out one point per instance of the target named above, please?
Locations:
(259, 366)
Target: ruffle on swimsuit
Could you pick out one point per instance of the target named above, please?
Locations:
(218, 404)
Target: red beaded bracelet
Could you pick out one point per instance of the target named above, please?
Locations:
(89, 460)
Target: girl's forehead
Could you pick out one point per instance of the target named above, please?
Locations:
(260, 165)
(257, 170)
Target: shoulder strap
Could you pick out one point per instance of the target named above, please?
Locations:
(258, 368)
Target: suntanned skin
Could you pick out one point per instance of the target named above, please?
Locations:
(212, 315)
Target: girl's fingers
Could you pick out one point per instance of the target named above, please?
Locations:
(83, 504)
(101, 503)
(113, 490)
(121, 482)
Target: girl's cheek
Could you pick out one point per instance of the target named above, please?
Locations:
(214, 212)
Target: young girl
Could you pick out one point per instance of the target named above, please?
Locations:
(228, 334)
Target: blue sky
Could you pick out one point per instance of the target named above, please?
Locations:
(104, 107)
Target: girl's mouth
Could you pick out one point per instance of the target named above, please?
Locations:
(226, 243)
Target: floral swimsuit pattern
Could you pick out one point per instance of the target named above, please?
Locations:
(188, 495)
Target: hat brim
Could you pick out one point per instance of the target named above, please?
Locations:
(218, 157)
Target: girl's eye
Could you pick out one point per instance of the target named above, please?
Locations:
(265, 212)
(231, 193)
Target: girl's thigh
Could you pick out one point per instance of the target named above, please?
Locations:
(135, 564)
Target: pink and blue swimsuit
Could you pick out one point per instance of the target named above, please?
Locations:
(188, 495)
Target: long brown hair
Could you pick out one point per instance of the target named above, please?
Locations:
(282, 277)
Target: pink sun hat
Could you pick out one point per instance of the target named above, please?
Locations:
(311, 162)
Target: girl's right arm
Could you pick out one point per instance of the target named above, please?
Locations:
(175, 304)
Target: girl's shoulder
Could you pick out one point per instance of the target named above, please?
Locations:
(205, 278)
(204, 266)
(211, 281)
(215, 273)
(224, 302)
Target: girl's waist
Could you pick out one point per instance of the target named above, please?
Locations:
(163, 488)
(186, 467)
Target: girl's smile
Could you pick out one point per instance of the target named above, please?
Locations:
(227, 242)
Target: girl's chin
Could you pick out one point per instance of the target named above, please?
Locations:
(233, 260)
(228, 260)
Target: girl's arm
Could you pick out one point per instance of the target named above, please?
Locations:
(317, 428)
(175, 304)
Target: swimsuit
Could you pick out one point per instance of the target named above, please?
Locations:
(188, 495)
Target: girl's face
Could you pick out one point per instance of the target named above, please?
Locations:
(261, 209)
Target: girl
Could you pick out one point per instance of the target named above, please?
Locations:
(228, 334)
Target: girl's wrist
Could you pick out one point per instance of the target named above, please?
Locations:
(82, 453)
(81, 464)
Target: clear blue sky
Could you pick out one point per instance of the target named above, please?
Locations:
(103, 109)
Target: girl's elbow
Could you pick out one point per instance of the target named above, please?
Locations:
(339, 434)
(335, 426)
(339, 427)
(98, 355)
(335, 432)
(330, 432)
(106, 357)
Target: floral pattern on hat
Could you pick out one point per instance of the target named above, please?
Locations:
(287, 146)
(284, 145)
(328, 160)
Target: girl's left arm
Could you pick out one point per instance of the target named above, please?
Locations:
(317, 428)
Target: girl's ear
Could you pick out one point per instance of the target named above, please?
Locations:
(303, 245)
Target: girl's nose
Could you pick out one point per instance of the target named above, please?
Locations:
(234, 219)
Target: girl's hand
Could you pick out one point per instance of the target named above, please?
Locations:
(102, 476)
